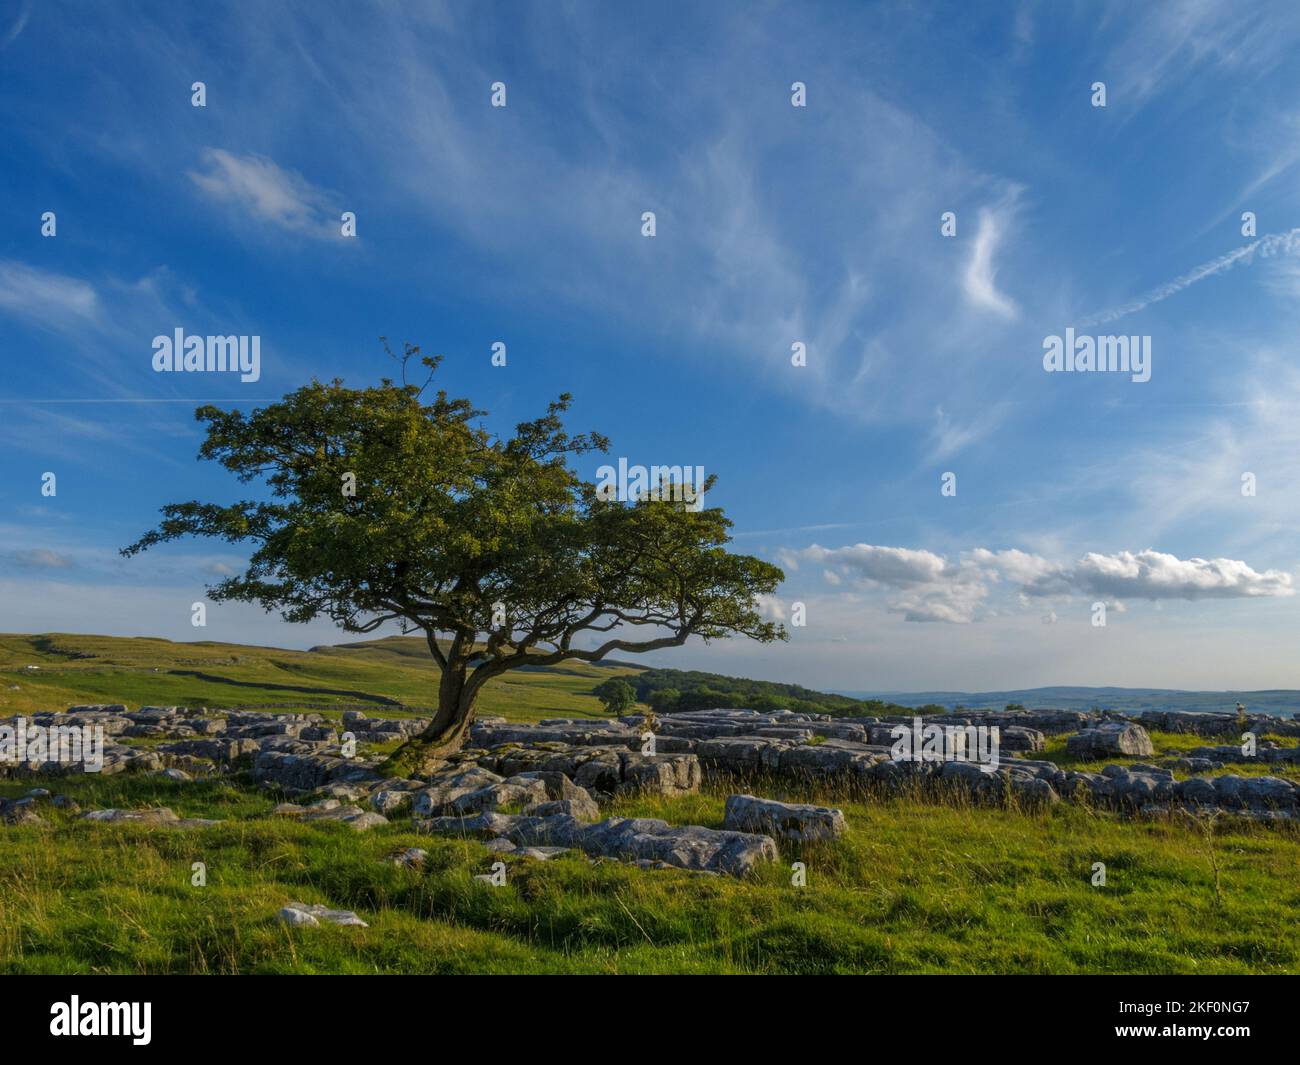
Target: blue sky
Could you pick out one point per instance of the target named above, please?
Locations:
(775, 224)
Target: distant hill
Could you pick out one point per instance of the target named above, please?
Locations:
(1284, 702)
(50, 671)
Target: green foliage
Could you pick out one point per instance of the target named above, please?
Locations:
(669, 690)
(926, 710)
(384, 504)
(663, 700)
(616, 694)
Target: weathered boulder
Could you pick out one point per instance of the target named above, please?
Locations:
(558, 786)
(602, 771)
(487, 825)
(495, 732)
(743, 754)
(819, 760)
(318, 732)
(177, 775)
(685, 846)
(221, 750)
(344, 792)
(1034, 792)
(1268, 793)
(353, 816)
(1197, 791)
(446, 787)
(390, 802)
(798, 822)
(1110, 738)
(1020, 738)
(627, 839)
(968, 777)
(606, 771)
(540, 854)
(395, 794)
(411, 857)
(20, 813)
(159, 815)
(658, 774)
(583, 809)
(307, 772)
(513, 791)
(1138, 787)
(841, 730)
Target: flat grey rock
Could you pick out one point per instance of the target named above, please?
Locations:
(299, 914)
(797, 822)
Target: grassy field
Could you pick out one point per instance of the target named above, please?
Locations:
(72, 669)
(1175, 745)
(915, 886)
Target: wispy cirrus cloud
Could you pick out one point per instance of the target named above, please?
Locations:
(42, 558)
(979, 281)
(265, 192)
(19, 24)
(49, 300)
(104, 322)
(1160, 45)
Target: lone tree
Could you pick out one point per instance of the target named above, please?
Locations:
(616, 693)
(385, 504)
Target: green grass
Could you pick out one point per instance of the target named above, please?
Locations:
(912, 888)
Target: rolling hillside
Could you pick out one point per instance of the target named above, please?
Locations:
(52, 671)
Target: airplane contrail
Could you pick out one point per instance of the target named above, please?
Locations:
(1274, 244)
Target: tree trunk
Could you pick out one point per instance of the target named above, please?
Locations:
(447, 732)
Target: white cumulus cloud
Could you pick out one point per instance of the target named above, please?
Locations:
(931, 587)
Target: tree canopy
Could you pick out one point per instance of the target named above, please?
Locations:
(616, 693)
(385, 503)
